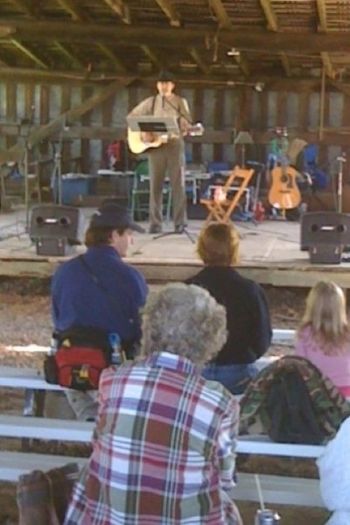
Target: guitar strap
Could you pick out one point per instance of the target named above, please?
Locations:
(179, 108)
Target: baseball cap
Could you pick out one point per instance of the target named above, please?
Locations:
(166, 76)
(114, 216)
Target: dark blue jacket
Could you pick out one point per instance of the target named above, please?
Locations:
(77, 300)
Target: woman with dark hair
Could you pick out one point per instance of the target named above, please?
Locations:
(248, 319)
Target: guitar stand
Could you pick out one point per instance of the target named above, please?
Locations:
(184, 230)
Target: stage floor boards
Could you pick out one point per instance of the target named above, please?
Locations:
(269, 253)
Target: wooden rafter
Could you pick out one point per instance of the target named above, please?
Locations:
(270, 15)
(46, 31)
(153, 56)
(24, 6)
(326, 61)
(71, 7)
(121, 9)
(222, 78)
(220, 12)
(68, 54)
(108, 52)
(242, 64)
(285, 64)
(26, 51)
(199, 61)
(322, 15)
(170, 11)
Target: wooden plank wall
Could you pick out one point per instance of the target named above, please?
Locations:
(223, 111)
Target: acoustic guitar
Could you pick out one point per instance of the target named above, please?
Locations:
(284, 193)
(140, 142)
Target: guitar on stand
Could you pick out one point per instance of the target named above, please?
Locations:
(284, 193)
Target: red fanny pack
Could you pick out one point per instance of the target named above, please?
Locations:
(80, 367)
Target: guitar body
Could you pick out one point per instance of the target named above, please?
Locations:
(284, 193)
(139, 141)
(138, 145)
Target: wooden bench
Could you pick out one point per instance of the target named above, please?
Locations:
(276, 489)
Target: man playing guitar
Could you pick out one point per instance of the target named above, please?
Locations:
(169, 158)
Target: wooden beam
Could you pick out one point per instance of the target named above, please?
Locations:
(170, 11)
(73, 114)
(22, 5)
(270, 15)
(73, 9)
(327, 64)
(221, 14)
(344, 88)
(26, 51)
(121, 9)
(322, 14)
(108, 52)
(38, 135)
(242, 64)
(199, 61)
(285, 64)
(272, 81)
(68, 54)
(43, 31)
(153, 56)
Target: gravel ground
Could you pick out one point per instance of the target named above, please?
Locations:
(25, 319)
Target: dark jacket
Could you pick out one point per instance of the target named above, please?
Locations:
(77, 300)
(248, 318)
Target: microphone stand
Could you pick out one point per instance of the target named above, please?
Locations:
(341, 160)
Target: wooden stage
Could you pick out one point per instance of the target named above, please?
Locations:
(270, 254)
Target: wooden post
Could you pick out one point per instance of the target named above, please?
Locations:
(322, 104)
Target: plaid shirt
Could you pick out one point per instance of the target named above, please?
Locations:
(163, 449)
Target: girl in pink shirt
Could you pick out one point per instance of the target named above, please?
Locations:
(324, 335)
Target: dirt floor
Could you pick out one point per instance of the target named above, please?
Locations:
(25, 319)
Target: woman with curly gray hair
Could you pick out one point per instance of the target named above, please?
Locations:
(165, 436)
(182, 320)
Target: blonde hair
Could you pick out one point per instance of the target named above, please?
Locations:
(325, 314)
(218, 245)
(184, 320)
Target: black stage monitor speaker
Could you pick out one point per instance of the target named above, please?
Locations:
(325, 235)
(54, 227)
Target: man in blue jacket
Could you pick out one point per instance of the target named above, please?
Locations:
(99, 290)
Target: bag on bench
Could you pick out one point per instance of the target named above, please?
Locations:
(43, 497)
(81, 355)
(292, 402)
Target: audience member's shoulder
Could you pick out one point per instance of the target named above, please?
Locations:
(68, 265)
(246, 282)
(217, 392)
(130, 271)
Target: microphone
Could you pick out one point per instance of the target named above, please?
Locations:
(342, 157)
(163, 102)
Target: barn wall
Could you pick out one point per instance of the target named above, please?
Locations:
(225, 110)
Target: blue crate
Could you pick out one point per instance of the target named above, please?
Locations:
(75, 188)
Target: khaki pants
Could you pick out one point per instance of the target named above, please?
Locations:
(167, 161)
(71, 404)
(83, 404)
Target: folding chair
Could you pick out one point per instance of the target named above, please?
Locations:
(227, 197)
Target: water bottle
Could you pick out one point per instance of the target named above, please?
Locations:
(267, 517)
(115, 343)
(53, 346)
